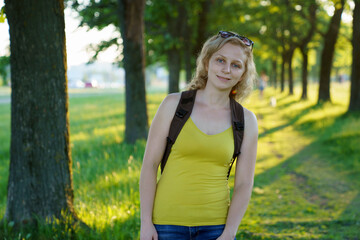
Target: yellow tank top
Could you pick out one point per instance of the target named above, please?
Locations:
(193, 189)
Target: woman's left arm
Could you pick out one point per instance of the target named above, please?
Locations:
(244, 177)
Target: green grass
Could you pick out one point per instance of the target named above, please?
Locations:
(306, 183)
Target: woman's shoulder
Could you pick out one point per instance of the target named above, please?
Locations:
(169, 104)
(250, 121)
(172, 98)
(171, 101)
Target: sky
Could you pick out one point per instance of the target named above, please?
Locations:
(77, 40)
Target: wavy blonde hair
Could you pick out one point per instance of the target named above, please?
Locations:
(244, 87)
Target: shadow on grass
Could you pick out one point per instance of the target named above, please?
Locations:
(291, 121)
(331, 229)
(342, 156)
(285, 105)
(323, 139)
(87, 125)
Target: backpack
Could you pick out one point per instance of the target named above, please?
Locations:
(182, 114)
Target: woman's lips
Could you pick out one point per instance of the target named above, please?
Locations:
(223, 78)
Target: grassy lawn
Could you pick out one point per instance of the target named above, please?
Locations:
(307, 173)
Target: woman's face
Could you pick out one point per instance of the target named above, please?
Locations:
(226, 66)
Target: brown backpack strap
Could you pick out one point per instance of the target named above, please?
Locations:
(238, 125)
(182, 114)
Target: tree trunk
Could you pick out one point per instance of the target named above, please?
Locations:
(282, 83)
(174, 65)
(291, 81)
(304, 49)
(201, 26)
(304, 73)
(131, 15)
(328, 54)
(355, 69)
(187, 51)
(186, 29)
(175, 29)
(274, 72)
(4, 65)
(40, 180)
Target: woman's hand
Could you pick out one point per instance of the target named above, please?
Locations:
(148, 232)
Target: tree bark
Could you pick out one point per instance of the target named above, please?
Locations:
(355, 69)
(282, 80)
(328, 54)
(274, 72)
(131, 16)
(187, 46)
(201, 26)
(304, 49)
(193, 50)
(174, 65)
(304, 73)
(175, 26)
(291, 81)
(40, 178)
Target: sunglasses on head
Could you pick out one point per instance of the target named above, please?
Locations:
(245, 40)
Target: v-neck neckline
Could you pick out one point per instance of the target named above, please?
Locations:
(206, 133)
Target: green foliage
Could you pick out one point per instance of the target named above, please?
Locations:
(98, 14)
(306, 182)
(2, 15)
(342, 58)
(165, 29)
(275, 26)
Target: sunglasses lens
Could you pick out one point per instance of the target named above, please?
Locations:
(245, 40)
(225, 34)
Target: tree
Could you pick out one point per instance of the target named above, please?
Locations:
(355, 69)
(174, 32)
(40, 179)
(311, 17)
(177, 32)
(128, 17)
(4, 64)
(328, 52)
(202, 17)
(300, 24)
(131, 16)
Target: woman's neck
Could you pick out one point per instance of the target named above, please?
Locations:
(214, 97)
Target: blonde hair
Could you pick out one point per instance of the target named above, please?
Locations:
(243, 88)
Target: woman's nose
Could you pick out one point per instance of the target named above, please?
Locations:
(226, 68)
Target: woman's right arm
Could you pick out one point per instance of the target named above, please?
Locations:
(154, 151)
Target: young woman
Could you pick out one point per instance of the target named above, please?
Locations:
(191, 199)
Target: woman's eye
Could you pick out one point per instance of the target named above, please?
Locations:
(236, 65)
(220, 60)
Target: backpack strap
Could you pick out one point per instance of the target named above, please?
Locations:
(238, 125)
(182, 114)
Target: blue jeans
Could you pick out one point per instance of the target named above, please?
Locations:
(171, 232)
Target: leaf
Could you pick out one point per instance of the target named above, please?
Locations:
(2, 15)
